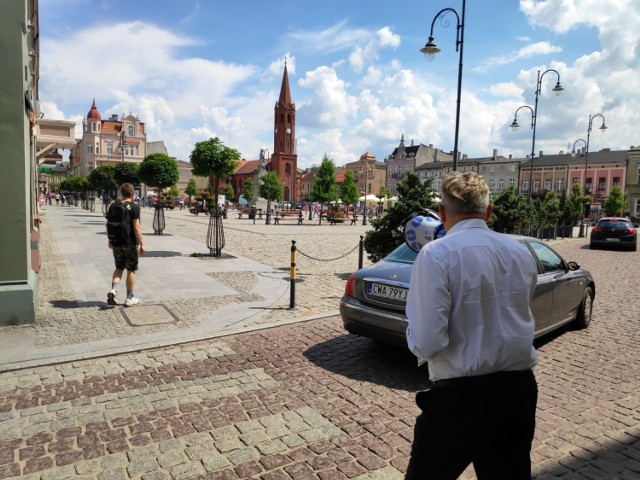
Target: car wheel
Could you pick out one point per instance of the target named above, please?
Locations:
(583, 318)
(593, 246)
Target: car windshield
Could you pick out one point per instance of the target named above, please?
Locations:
(402, 254)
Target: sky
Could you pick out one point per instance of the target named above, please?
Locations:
(193, 70)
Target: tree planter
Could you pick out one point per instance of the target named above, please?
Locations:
(158, 220)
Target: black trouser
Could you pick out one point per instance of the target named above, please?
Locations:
(487, 420)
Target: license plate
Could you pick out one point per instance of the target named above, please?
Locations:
(387, 291)
(613, 239)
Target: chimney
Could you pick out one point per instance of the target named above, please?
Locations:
(510, 156)
(541, 153)
(495, 153)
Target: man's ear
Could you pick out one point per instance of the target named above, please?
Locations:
(442, 212)
(488, 214)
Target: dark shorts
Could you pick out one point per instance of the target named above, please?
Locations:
(126, 257)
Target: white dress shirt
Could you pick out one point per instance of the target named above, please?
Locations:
(468, 303)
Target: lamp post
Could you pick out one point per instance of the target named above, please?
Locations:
(534, 117)
(430, 49)
(267, 167)
(313, 169)
(364, 205)
(603, 128)
(123, 143)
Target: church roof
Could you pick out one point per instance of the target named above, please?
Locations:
(247, 166)
(285, 93)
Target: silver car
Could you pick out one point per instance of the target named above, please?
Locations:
(373, 304)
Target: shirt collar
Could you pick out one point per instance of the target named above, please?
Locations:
(468, 223)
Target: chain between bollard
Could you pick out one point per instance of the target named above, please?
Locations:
(328, 259)
(292, 290)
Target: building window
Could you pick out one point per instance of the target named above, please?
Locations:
(501, 184)
(130, 130)
(559, 184)
(616, 181)
(601, 183)
(525, 185)
(97, 147)
(512, 182)
(287, 168)
(492, 184)
(547, 185)
(110, 148)
(89, 148)
(512, 168)
(484, 168)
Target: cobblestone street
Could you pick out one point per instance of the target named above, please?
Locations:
(307, 400)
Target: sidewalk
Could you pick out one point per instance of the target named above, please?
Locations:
(183, 297)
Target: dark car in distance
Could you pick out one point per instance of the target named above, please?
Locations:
(614, 232)
(373, 304)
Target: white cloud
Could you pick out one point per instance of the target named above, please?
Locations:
(531, 50)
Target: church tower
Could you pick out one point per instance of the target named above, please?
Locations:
(284, 159)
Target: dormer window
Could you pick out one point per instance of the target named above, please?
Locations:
(130, 130)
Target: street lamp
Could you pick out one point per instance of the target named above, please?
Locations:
(534, 117)
(268, 169)
(603, 129)
(364, 205)
(430, 49)
(123, 143)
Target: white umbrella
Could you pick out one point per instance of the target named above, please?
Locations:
(369, 198)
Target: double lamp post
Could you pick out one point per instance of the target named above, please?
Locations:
(603, 129)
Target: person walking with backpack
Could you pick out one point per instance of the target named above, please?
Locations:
(125, 237)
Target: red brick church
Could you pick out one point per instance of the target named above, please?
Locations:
(283, 158)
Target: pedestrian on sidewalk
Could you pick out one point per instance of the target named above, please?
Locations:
(127, 243)
(469, 315)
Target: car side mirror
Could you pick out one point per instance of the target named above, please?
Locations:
(421, 227)
(573, 265)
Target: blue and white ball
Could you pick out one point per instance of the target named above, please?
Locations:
(420, 230)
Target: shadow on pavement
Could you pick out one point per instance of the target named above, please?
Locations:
(161, 253)
(362, 359)
(79, 304)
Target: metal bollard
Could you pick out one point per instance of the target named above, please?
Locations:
(360, 252)
(292, 290)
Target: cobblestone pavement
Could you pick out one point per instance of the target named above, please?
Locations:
(308, 401)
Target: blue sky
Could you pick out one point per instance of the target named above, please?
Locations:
(197, 69)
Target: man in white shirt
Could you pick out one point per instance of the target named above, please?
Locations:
(469, 317)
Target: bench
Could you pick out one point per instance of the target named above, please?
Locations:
(284, 214)
(248, 211)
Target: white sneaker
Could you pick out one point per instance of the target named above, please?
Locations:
(130, 302)
(111, 297)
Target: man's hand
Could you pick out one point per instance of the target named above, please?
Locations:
(142, 250)
(110, 244)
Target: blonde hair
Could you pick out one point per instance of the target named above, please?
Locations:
(465, 193)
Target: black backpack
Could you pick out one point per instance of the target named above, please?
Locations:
(119, 223)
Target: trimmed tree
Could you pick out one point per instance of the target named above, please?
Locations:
(212, 158)
(614, 204)
(247, 190)
(161, 171)
(324, 188)
(126, 172)
(270, 187)
(192, 187)
(349, 189)
(387, 232)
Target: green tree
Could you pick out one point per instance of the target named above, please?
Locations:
(349, 189)
(159, 170)
(173, 191)
(324, 188)
(270, 187)
(192, 188)
(384, 193)
(573, 207)
(103, 178)
(227, 191)
(510, 212)
(211, 158)
(614, 204)
(126, 172)
(550, 210)
(247, 190)
(387, 232)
